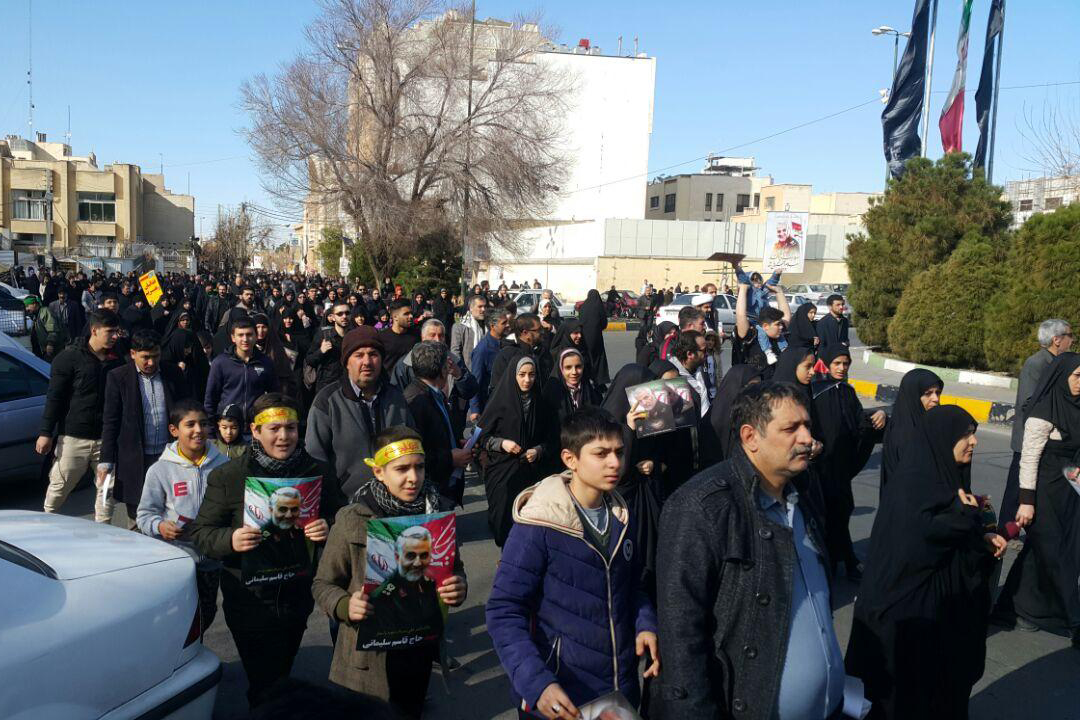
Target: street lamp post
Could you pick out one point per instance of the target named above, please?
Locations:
(897, 34)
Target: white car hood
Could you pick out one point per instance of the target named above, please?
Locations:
(101, 548)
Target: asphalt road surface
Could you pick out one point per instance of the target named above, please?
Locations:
(1031, 675)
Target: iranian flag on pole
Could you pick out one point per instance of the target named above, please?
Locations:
(951, 123)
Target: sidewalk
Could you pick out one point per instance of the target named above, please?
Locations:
(873, 378)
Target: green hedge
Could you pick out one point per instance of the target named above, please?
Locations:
(940, 319)
(1042, 282)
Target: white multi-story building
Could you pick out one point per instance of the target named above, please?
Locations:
(607, 130)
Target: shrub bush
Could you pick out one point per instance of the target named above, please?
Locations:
(915, 226)
(1042, 281)
(941, 316)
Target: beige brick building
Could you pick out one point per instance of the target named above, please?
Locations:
(110, 212)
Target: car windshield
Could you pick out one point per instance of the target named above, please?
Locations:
(819, 288)
(631, 294)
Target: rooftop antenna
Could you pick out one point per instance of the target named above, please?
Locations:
(68, 134)
(620, 46)
(30, 61)
(635, 46)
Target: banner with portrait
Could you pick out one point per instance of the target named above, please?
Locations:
(661, 406)
(407, 559)
(281, 508)
(785, 242)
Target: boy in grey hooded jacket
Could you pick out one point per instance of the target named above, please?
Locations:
(174, 490)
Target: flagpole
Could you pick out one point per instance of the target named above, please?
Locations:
(993, 114)
(929, 79)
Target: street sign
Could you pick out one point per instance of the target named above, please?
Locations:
(151, 287)
(343, 266)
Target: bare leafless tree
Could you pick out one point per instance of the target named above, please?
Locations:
(1052, 139)
(237, 236)
(373, 120)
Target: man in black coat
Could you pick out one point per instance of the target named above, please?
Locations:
(745, 605)
(833, 328)
(135, 424)
(525, 342)
(324, 355)
(429, 407)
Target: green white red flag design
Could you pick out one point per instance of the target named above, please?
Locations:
(951, 123)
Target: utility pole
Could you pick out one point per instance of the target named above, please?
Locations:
(468, 150)
(993, 115)
(48, 212)
(30, 62)
(929, 79)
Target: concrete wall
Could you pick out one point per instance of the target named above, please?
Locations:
(168, 219)
(628, 273)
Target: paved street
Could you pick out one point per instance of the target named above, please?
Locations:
(1031, 675)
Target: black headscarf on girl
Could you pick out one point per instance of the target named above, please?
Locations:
(787, 365)
(511, 413)
(560, 397)
(652, 350)
(561, 341)
(718, 419)
(837, 411)
(907, 413)
(802, 332)
(1052, 400)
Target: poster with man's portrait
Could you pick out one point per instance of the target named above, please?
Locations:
(661, 406)
(281, 508)
(407, 559)
(785, 241)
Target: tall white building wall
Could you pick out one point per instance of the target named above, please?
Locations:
(606, 130)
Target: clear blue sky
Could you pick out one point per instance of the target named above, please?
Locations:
(144, 78)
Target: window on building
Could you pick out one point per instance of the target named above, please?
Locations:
(1025, 205)
(719, 202)
(654, 202)
(669, 203)
(29, 204)
(770, 203)
(757, 199)
(1053, 203)
(97, 207)
(742, 202)
(708, 201)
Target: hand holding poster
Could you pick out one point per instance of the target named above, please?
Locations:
(785, 241)
(661, 406)
(281, 508)
(407, 559)
(151, 287)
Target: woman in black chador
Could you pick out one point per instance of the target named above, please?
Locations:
(918, 640)
(518, 439)
(1042, 585)
(920, 390)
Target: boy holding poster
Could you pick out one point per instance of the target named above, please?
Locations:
(568, 613)
(260, 516)
(391, 564)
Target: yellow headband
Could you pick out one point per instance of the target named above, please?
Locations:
(408, 446)
(276, 415)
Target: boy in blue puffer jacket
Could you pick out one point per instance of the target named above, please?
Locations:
(568, 614)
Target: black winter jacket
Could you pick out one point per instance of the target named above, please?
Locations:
(76, 397)
(726, 571)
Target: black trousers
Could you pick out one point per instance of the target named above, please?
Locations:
(207, 582)
(408, 673)
(266, 641)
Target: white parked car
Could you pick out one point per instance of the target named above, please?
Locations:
(794, 301)
(527, 299)
(723, 304)
(98, 623)
(24, 381)
(815, 291)
(13, 318)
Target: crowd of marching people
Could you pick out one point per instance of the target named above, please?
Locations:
(689, 570)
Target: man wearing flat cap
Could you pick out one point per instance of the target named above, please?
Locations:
(346, 416)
